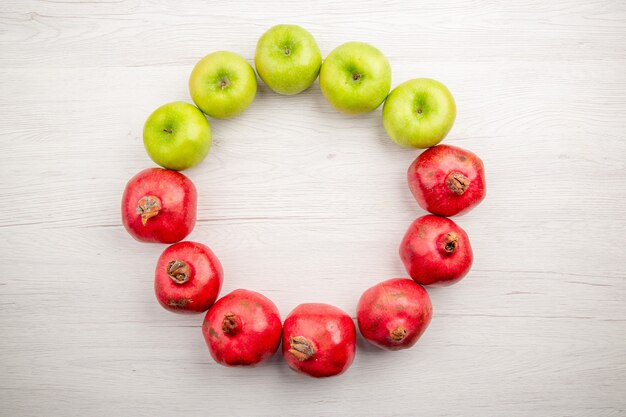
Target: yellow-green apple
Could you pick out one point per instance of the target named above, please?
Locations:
(419, 113)
(222, 84)
(355, 78)
(177, 136)
(287, 59)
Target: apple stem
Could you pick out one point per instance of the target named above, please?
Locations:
(450, 242)
(224, 82)
(148, 206)
(231, 324)
(179, 271)
(301, 348)
(457, 182)
(356, 76)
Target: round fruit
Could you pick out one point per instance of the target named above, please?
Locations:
(242, 329)
(435, 250)
(159, 205)
(222, 84)
(393, 314)
(447, 180)
(287, 59)
(177, 136)
(188, 278)
(419, 113)
(319, 340)
(355, 78)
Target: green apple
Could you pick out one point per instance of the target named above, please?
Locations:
(287, 59)
(419, 113)
(177, 136)
(222, 84)
(355, 78)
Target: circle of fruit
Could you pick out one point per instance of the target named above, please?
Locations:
(244, 328)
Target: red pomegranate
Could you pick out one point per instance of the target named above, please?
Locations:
(159, 205)
(447, 180)
(188, 278)
(435, 250)
(242, 329)
(319, 340)
(393, 314)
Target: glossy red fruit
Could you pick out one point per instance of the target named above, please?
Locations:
(242, 328)
(319, 340)
(393, 314)
(159, 205)
(435, 250)
(447, 180)
(188, 278)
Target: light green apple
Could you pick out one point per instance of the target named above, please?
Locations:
(419, 113)
(287, 59)
(223, 84)
(177, 136)
(355, 78)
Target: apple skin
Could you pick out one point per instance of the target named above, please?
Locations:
(419, 113)
(177, 136)
(355, 78)
(287, 59)
(223, 84)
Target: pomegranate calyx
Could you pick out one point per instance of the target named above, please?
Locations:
(301, 348)
(450, 242)
(457, 182)
(148, 206)
(179, 271)
(398, 334)
(231, 323)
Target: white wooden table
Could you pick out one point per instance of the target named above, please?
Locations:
(304, 204)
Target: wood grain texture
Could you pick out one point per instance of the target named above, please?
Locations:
(304, 204)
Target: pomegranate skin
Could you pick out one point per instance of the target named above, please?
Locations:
(319, 340)
(393, 314)
(159, 205)
(242, 328)
(436, 251)
(188, 278)
(447, 180)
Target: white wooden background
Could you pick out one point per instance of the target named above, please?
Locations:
(304, 204)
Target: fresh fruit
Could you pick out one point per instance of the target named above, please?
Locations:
(319, 340)
(242, 329)
(159, 205)
(222, 84)
(393, 314)
(188, 278)
(287, 59)
(177, 136)
(447, 180)
(355, 78)
(435, 250)
(419, 113)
